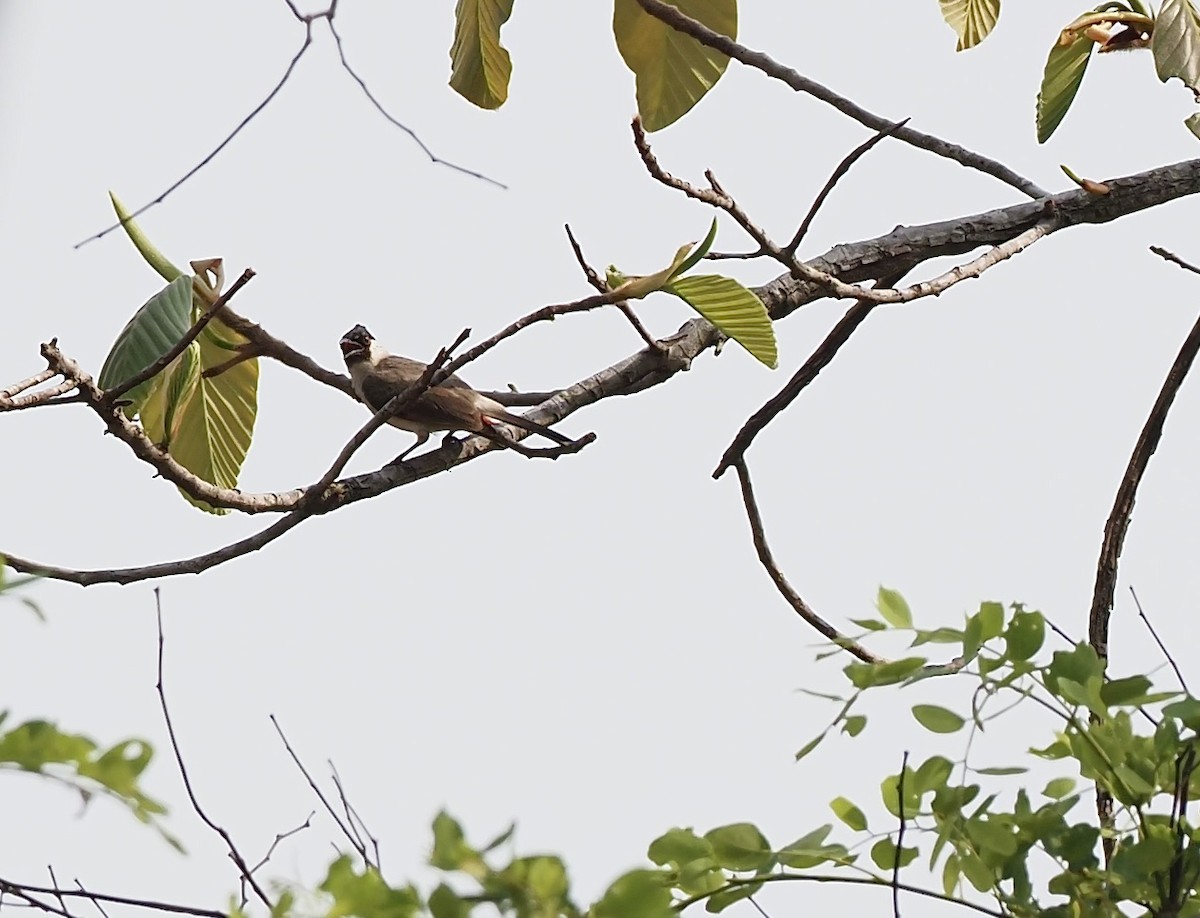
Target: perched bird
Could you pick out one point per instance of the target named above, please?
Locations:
(451, 405)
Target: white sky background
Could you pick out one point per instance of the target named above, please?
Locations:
(587, 646)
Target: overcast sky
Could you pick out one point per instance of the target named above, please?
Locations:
(587, 646)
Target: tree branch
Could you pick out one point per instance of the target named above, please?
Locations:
(680, 22)
(893, 253)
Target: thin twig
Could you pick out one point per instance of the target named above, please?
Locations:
(899, 839)
(352, 815)
(95, 902)
(234, 854)
(281, 837)
(843, 167)
(593, 278)
(681, 22)
(317, 790)
(111, 395)
(219, 147)
(81, 893)
(433, 158)
(794, 599)
(1157, 640)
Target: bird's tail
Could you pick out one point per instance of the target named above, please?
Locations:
(532, 426)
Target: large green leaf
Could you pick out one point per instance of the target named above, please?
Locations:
(211, 421)
(673, 70)
(1176, 43)
(206, 424)
(735, 310)
(153, 330)
(971, 20)
(480, 67)
(1064, 71)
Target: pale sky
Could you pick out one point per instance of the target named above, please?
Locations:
(588, 646)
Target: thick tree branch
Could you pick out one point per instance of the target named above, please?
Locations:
(680, 22)
(893, 253)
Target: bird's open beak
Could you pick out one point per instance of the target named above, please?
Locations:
(350, 346)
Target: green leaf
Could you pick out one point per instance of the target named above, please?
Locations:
(991, 621)
(637, 894)
(450, 848)
(213, 418)
(366, 893)
(869, 624)
(931, 775)
(1064, 71)
(1193, 124)
(971, 20)
(893, 607)
(1025, 635)
(1186, 711)
(808, 850)
(951, 873)
(732, 308)
(854, 724)
(810, 746)
(739, 846)
(480, 67)
(1127, 691)
(938, 636)
(937, 719)
(698, 252)
(76, 760)
(848, 813)
(677, 847)
(1059, 788)
(866, 675)
(154, 258)
(1001, 770)
(721, 900)
(990, 835)
(884, 853)
(444, 902)
(153, 330)
(673, 70)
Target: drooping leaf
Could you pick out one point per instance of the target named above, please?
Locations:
(673, 70)
(885, 854)
(736, 311)
(480, 66)
(1176, 43)
(153, 330)
(971, 20)
(212, 422)
(154, 258)
(1064, 71)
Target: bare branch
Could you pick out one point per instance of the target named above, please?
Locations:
(346, 830)
(794, 599)
(1157, 640)
(892, 254)
(598, 283)
(1122, 511)
(841, 332)
(842, 168)
(682, 23)
(219, 147)
(436, 160)
(23, 889)
(235, 855)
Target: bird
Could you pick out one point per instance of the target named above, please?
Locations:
(451, 405)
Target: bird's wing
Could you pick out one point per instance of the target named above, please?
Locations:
(450, 405)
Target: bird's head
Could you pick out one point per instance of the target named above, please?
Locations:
(356, 344)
